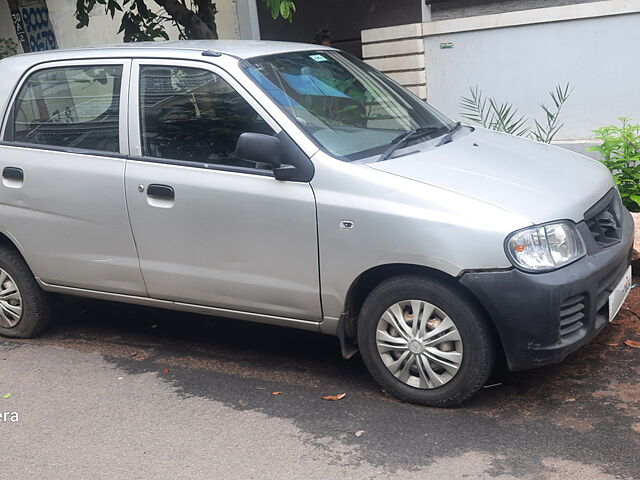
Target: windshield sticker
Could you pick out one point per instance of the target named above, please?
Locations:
(318, 58)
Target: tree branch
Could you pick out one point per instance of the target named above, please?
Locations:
(207, 13)
(192, 23)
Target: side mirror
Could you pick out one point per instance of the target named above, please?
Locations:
(261, 148)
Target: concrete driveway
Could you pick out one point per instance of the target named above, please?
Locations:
(122, 392)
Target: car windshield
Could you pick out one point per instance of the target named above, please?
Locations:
(349, 109)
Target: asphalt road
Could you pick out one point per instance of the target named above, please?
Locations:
(122, 392)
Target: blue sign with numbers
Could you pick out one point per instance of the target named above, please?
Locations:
(32, 25)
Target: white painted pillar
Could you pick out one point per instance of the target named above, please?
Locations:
(248, 24)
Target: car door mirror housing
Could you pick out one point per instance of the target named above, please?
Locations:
(288, 161)
(261, 148)
(286, 173)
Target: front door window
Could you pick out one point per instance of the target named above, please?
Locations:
(194, 115)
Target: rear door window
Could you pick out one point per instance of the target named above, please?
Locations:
(71, 106)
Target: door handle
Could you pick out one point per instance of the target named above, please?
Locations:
(162, 192)
(12, 177)
(13, 173)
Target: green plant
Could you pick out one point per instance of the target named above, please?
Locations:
(145, 19)
(281, 8)
(620, 149)
(505, 117)
(7, 47)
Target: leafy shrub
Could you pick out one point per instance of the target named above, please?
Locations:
(621, 151)
(7, 47)
(504, 117)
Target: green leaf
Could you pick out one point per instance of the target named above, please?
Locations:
(620, 149)
(284, 10)
(142, 9)
(475, 108)
(6, 395)
(275, 8)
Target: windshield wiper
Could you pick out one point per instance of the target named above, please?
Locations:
(403, 138)
(449, 136)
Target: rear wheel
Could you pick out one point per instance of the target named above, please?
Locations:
(24, 307)
(424, 341)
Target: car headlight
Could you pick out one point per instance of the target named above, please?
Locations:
(545, 247)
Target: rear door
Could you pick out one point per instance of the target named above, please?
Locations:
(212, 229)
(63, 158)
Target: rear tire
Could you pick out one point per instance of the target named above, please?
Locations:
(440, 356)
(24, 307)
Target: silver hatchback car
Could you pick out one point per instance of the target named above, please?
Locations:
(295, 185)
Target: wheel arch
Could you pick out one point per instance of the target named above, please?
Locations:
(362, 286)
(9, 241)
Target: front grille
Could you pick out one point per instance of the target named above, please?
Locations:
(604, 221)
(572, 314)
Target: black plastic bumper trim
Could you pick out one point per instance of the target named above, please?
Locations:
(525, 308)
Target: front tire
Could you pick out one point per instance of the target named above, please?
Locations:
(24, 306)
(424, 341)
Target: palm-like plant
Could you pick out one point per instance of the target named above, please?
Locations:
(505, 117)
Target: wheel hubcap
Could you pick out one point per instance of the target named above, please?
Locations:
(416, 347)
(10, 301)
(419, 344)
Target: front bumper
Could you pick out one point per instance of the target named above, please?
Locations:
(541, 318)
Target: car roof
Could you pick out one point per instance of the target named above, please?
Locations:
(14, 66)
(236, 48)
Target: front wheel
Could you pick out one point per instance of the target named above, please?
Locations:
(424, 341)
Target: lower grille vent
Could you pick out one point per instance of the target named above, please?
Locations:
(572, 314)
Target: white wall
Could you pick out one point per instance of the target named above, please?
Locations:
(597, 56)
(102, 29)
(227, 19)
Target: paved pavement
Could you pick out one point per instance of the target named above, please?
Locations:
(122, 392)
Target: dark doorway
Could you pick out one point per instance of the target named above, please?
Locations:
(343, 18)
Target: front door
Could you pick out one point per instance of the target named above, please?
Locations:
(212, 229)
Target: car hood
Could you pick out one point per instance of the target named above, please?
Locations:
(535, 180)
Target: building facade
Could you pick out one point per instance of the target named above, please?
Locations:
(517, 55)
